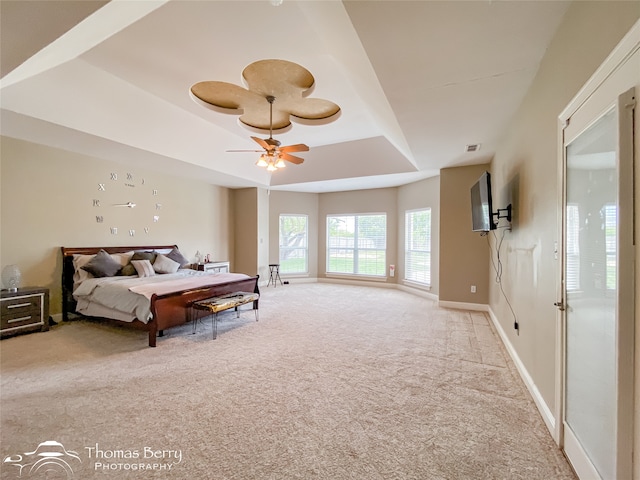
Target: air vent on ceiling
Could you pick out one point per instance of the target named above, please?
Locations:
(472, 148)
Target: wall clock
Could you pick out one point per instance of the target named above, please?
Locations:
(125, 204)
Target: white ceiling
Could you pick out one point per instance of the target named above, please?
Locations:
(416, 82)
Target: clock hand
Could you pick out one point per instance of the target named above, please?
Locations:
(128, 204)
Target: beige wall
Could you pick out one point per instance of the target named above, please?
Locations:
(417, 195)
(263, 234)
(47, 202)
(636, 166)
(296, 204)
(380, 200)
(245, 227)
(464, 254)
(525, 171)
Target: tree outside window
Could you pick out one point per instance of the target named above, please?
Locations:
(293, 244)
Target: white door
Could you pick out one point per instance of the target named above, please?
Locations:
(597, 283)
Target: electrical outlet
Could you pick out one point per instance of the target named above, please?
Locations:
(473, 289)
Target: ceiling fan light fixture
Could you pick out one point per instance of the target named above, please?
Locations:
(280, 163)
(262, 161)
(271, 167)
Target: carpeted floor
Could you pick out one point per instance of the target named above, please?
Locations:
(334, 382)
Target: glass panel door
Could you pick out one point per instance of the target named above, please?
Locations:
(591, 291)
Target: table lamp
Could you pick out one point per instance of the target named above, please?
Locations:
(11, 277)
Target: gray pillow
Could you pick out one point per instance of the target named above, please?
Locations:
(102, 265)
(176, 256)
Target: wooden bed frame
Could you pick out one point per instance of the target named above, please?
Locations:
(168, 310)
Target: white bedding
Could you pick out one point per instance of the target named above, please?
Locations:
(129, 298)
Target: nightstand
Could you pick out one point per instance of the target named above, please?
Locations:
(26, 310)
(216, 267)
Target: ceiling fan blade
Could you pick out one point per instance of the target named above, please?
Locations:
(262, 143)
(291, 158)
(300, 147)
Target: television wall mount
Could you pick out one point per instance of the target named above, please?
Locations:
(499, 213)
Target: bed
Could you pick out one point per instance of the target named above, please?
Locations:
(152, 301)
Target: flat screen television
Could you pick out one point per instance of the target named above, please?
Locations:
(482, 205)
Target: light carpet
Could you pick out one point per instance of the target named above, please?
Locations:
(333, 382)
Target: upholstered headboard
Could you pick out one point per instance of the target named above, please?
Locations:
(68, 302)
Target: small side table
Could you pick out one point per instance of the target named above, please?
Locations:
(26, 310)
(274, 274)
(216, 267)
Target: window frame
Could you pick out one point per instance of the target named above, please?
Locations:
(354, 253)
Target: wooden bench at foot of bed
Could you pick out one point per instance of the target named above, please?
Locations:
(216, 305)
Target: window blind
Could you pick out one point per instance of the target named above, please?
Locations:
(417, 249)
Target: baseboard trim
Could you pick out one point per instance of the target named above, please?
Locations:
(417, 291)
(478, 307)
(299, 280)
(362, 283)
(543, 408)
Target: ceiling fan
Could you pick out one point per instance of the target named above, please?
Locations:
(275, 155)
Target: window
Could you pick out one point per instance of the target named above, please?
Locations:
(610, 242)
(417, 247)
(357, 244)
(294, 245)
(573, 248)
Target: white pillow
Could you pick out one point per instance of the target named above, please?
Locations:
(164, 264)
(143, 267)
(80, 275)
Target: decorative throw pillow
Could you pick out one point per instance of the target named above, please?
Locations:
(123, 258)
(151, 256)
(102, 265)
(165, 265)
(143, 267)
(176, 256)
(128, 270)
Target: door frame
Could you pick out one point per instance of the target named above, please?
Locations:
(586, 106)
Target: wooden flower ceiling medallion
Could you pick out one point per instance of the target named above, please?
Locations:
(284, 81)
